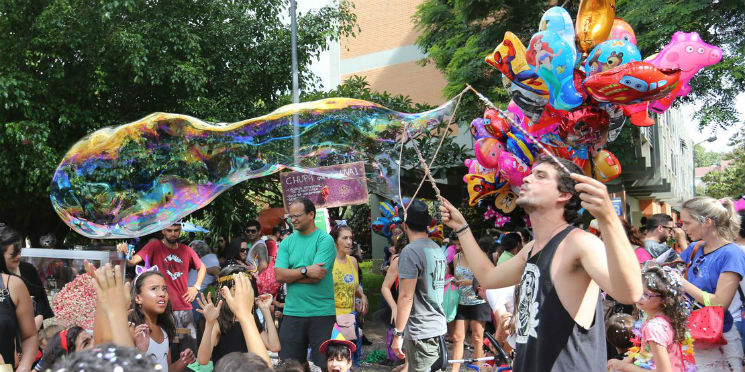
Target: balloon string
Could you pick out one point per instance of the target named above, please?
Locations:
(427, 171)
(520, 128)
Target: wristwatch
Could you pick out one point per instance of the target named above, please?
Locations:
(397, 333)
(304, 271)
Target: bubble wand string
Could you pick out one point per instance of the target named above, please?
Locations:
(427, 174)
(520, 128)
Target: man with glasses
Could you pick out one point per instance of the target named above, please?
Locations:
(258, 256)
(303, 260)
(660, 229)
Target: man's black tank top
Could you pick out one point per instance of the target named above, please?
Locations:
(548, 339)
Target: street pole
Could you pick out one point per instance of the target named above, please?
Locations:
(295, 94)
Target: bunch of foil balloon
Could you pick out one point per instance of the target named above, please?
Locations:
(572, 89)
(140, 177)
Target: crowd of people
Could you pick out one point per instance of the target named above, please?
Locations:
(554, 297)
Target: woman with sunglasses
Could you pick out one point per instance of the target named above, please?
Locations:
(236, 252)
(715, 267)
(16, 310)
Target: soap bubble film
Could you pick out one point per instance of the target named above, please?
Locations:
(138, 178)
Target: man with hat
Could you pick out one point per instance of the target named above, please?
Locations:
(420, 319)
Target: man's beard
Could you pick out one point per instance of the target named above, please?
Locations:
(172, 241)
(525, 204)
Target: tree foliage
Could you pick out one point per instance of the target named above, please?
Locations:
(457, 35)
(729, 182)
(704, 158)
(70, 67)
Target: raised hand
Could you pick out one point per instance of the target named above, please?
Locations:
(241, 302)
(594, 196)
(264, 302)
(208, 309)
(113, 294)
(451, 217)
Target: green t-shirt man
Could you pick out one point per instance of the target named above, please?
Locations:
(298, 251)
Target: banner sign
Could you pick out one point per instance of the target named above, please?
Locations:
(327, 192)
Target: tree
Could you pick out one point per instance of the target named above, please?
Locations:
(70, 67)
(703, 158)
(457, 35)
(729, 182)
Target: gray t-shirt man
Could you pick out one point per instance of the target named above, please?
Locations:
(425, 261)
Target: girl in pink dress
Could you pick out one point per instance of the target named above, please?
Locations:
(662, 344)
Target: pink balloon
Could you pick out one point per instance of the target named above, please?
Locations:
(623, 31)
(475, 168)
(687, 52)
(512, 169)
(487, 151)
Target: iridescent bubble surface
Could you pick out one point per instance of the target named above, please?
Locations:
(140, 177)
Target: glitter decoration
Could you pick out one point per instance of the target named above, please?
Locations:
(75, 304)
(140, 177)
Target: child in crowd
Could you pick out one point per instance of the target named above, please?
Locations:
(664, 330)
(619, 331)
(63, 344)
(151, 321)
(338, 352)
(228, 336)
(45, 334)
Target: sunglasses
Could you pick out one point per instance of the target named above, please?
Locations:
(251, 231)
(244, 250)
(699, 261)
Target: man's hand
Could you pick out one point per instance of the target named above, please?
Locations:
(208, 309)
(242, 302)
(451, 217)
(397, 345)
(190, 294)
(315, 271)
(594, 197)
(122, 247)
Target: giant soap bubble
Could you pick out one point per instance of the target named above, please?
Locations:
(140, 177)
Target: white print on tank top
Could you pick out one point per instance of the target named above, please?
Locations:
(527, 307)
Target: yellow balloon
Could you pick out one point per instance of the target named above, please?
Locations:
(594, 23)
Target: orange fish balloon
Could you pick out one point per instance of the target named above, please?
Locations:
(594, 23)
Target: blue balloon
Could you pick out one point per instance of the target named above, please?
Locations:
(558, 20)
(553, 59)
(610, 54)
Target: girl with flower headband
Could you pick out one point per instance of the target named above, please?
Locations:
(228, 336)
(662, 344)
(151, 320)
